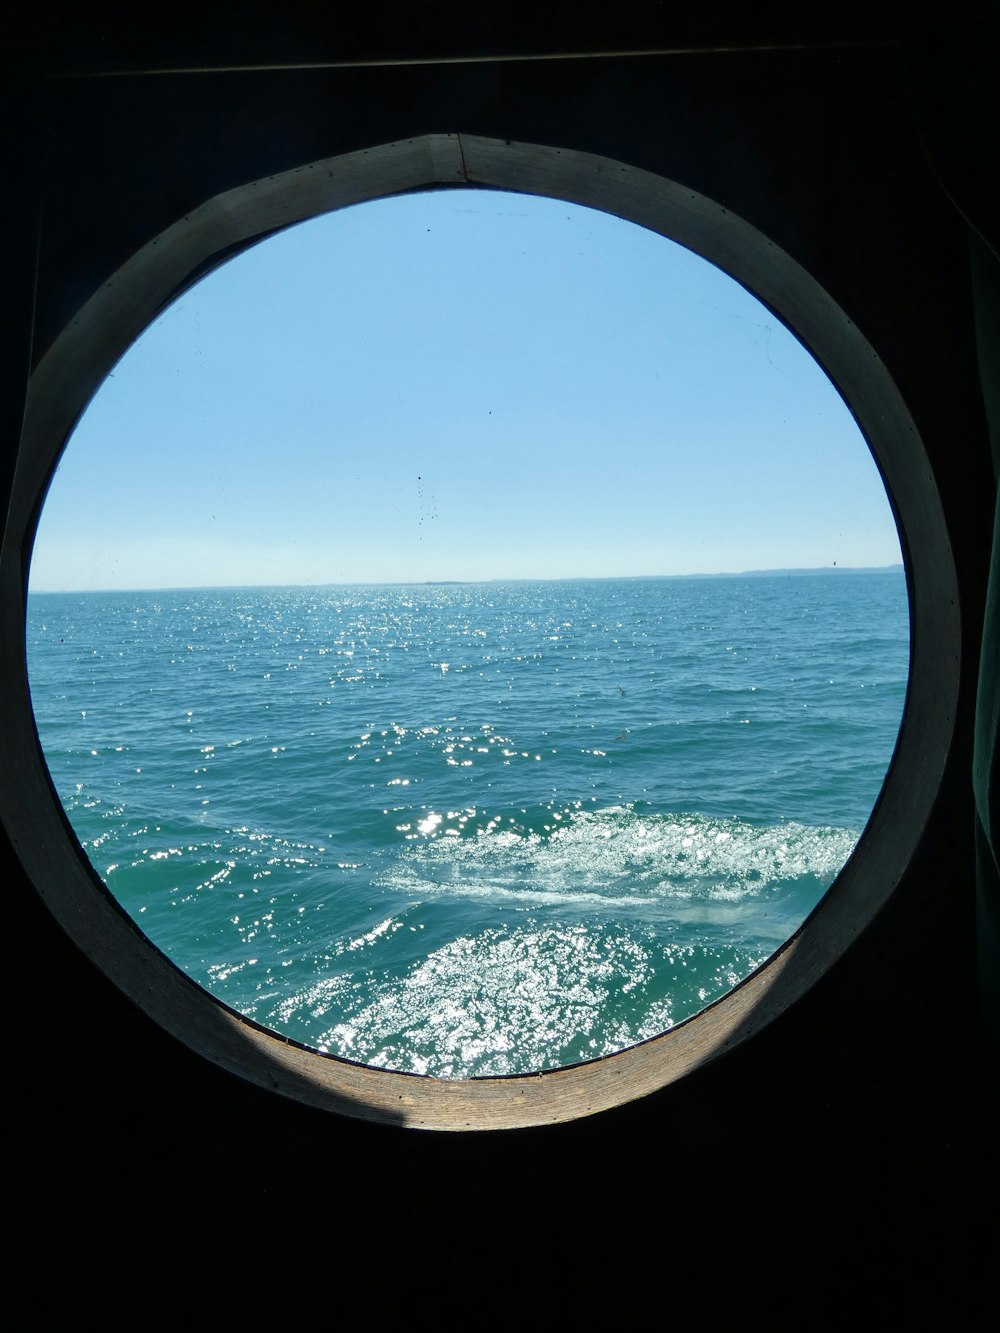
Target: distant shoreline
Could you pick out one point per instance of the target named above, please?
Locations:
(819, 571)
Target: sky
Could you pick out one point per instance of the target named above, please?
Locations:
(460, 385)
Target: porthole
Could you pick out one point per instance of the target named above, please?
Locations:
(284, 1060)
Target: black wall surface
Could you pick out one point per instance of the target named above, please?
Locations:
(847, 1149)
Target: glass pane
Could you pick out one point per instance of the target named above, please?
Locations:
(467, 633)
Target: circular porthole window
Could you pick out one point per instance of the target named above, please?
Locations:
(467, 636)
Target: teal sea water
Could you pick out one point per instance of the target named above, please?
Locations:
(472, 829)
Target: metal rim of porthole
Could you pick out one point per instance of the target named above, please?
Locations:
(87, 349)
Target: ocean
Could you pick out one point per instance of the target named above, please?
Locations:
(472, 829)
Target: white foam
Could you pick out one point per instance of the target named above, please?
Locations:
(622, 856)
(509, 1000)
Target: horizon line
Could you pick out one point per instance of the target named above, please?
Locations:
(790, 571)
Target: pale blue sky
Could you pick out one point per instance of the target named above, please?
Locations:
(460, 385)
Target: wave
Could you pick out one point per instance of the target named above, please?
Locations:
(513, 999)
(622, 856)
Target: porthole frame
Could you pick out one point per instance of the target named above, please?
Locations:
(85, 351)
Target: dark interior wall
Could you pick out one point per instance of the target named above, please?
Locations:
(846, 1143)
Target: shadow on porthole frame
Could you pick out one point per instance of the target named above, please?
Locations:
(87, 349)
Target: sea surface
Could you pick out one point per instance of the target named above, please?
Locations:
(471, 829)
